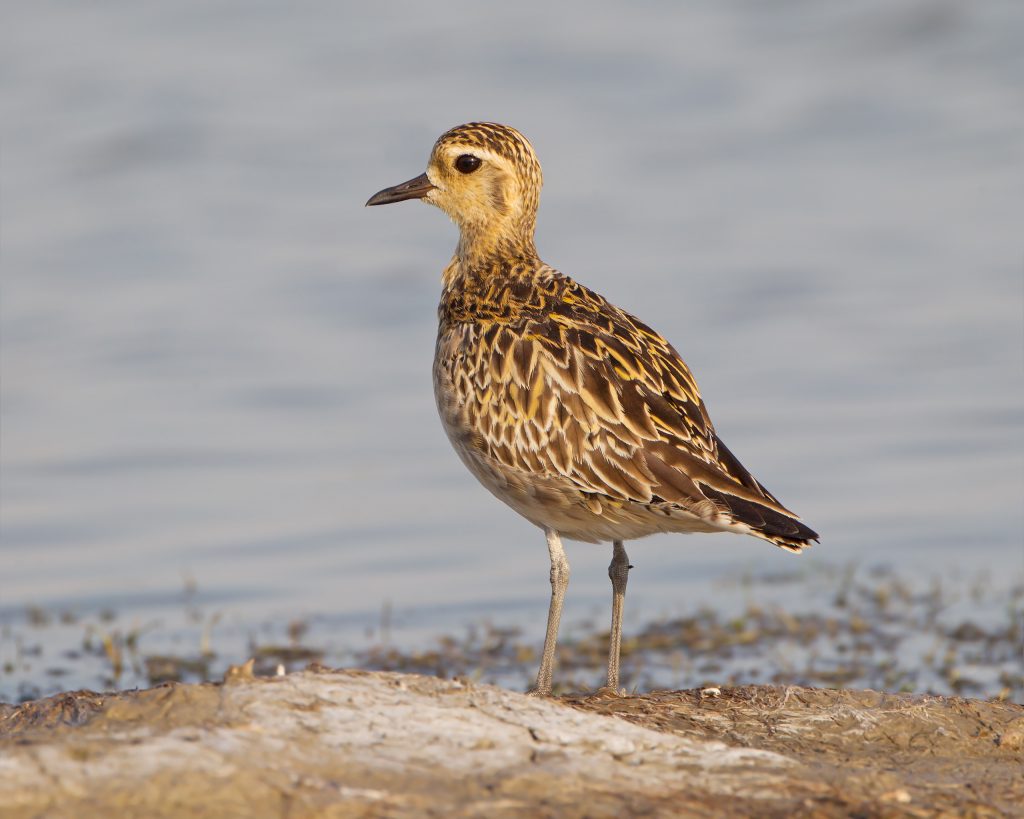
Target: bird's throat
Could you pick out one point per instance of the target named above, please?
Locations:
(482, 246)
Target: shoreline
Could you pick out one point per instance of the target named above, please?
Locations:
(363, 743)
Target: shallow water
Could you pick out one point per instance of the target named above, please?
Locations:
(216, 362)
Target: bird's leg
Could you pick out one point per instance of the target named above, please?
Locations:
(618, 571)
(559, 583)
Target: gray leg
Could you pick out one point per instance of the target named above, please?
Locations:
(618, 571)
(559, 583)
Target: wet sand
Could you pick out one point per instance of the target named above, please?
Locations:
(823, 627)
(358, 743)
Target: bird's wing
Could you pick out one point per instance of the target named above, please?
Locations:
(590, 393)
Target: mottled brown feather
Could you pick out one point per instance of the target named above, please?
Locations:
(575, 413)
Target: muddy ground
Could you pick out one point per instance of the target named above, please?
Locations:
(823, 626)
(360, 743)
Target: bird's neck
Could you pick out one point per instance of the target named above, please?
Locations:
(486, 254)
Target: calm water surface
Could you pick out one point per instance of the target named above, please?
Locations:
(216, 362)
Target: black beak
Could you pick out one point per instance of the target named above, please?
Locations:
(413, 189)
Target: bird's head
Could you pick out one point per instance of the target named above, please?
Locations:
(487, 178)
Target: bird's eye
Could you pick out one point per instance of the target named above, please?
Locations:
(467, 163)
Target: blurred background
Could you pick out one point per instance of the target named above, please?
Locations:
(216, 362)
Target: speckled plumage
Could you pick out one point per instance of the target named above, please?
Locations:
(576, 414)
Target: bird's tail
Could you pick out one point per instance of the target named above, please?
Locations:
(770, 520)
(764, 521)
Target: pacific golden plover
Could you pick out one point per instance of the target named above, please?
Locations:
(576, 414)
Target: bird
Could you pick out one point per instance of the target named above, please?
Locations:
(571, 411)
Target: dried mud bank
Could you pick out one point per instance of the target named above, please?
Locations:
(356, 743)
